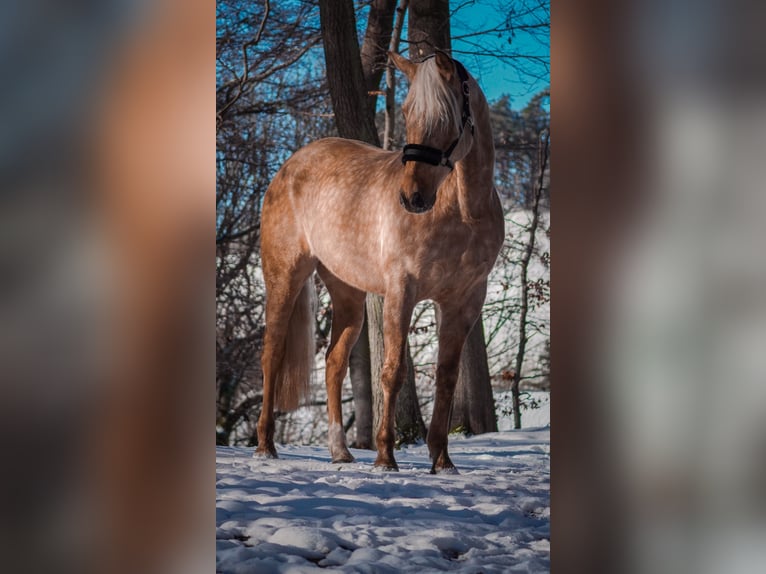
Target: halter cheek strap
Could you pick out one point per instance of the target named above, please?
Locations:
(432, 155)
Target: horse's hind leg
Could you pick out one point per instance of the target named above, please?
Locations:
(456, 322)
(347, 319)
(284, 284)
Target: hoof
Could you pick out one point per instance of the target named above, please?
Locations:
(442, 466)
(387, 465)
(265, 453)
(444, 470)
(344, 458)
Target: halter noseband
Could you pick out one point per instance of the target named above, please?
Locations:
(432, 155)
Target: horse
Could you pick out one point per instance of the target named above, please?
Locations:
(421, 223)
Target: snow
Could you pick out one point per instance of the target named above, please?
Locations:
(301, 513)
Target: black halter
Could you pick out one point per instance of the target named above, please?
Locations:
(431, 155)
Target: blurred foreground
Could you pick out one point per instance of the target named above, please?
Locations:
(659, 296)
(106, 164)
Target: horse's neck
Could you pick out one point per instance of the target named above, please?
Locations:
(475, 172)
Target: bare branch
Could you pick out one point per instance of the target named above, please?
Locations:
(390, 115)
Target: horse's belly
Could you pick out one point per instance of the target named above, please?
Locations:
(342, 237)
(351, 263)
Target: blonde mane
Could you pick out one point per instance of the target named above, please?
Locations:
(431, 100)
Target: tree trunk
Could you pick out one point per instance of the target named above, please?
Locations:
(377, 354)
(380, 23)
(373, 57)
(428, 27)
(409, 420)
(390, 114)
(354, 119)
(473, 405)
(473, 408)
(474, 386)
(361, 386)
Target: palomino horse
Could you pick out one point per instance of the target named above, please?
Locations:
(422, 223)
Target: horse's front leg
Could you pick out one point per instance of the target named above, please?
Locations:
(397, 312)
(456, 323)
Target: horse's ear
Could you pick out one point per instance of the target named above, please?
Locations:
(403, 64)
(445, 64)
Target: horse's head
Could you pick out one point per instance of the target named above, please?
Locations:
(437, 115)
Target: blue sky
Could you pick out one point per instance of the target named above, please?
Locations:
(504, 44)
(524, 66)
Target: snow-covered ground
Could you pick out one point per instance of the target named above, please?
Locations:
(301, 513)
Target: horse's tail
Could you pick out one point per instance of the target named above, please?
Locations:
(295, 372)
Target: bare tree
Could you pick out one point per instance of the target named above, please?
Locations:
(360, 373)
(380, 24)
(373, 56)
(543, 162)
(260, 70)
(355, 120)
(517, 146)
(345, 76)
(428, 27)
(390, 114)
(473, 406)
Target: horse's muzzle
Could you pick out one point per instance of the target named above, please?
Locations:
(416, 204)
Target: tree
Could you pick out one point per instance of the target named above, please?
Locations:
(379, 29)
(516, 146)
(355, 119)
(345, 76)
(517, 317)
(543, 162)
(261, 53)
(473, 404)
(390, 111)
(359, 367)
(428, 27)
(380, 25)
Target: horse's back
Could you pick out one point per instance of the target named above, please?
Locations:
(333, 156)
